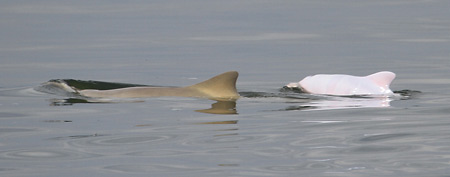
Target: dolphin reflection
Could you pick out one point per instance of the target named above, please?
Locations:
(341, 103)
(219, 107)
(301, 101)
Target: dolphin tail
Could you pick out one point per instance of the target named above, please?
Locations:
(222, 86)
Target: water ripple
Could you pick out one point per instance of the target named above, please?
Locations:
(375, 149)
(158, 153)
(273, 152)
(230, 139)
(15, 130)
(120, 140)
(77, 136)
(381, 137)
(6, 169)
(11, 114)
(152, 168)
(43, 154)
(302, 167)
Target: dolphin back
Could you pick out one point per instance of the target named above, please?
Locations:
(220, 87)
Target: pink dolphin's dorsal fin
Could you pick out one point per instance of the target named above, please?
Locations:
(382, 79)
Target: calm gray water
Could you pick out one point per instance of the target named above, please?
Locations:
(270, 43)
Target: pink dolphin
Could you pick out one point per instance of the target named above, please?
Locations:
(343, 85)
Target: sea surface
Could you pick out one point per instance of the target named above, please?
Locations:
(269, 131)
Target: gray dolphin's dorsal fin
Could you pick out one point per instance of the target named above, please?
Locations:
(222, 86)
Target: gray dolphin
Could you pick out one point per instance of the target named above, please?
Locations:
(220, 87)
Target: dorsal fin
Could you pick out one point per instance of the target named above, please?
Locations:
(222, 86)
(382, 79)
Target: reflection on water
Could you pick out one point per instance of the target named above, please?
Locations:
(310, 102)
(341, 103)
(221, 122)
(221, 107)
(44, 154)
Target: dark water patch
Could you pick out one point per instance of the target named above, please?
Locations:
(408, 94)
(144, 125)
(97, 85)
(283, 94)
(257, 94)
(57, 121)
(67, 102)
(85, 100)
(298, 108)
(291, 89)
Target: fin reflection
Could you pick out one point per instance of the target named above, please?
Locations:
(221, 107)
